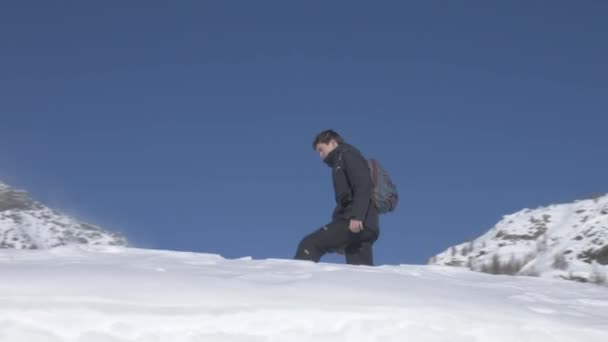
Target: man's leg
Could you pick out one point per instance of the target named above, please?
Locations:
(329, 238)
(360, 253)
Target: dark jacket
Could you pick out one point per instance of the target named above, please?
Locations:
(353, 186)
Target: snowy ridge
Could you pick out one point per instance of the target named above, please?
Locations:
(27, 224)
(117, 294)
(568, 241)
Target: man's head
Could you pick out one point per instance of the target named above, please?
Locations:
(326, 141)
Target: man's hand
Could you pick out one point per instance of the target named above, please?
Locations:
(355, 226)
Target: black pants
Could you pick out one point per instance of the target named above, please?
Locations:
(336, 237)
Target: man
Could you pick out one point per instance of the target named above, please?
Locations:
(355, 221)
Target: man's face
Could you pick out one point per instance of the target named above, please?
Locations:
(325, 149)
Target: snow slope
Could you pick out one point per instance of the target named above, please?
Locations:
(27, 224)
(568, 241)
(111, 294)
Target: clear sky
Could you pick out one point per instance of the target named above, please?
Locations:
(188, 125)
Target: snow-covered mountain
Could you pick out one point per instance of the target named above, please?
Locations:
(568, 241)
(117, 294)
(27, 224)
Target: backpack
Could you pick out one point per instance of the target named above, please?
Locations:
(384, 193)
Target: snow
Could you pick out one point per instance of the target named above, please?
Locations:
(111, 294)
(537, 237)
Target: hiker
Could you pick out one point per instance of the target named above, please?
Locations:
(355, 221)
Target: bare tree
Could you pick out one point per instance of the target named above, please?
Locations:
(560, 262)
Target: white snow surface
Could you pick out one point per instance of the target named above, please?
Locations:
(86, 293)
(576, 233)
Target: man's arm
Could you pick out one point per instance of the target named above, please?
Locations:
(359, 177)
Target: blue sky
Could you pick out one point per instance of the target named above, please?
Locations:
(189, 126)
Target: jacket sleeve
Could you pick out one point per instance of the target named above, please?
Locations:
(357, 171)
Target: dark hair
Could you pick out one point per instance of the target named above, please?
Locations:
(325, 137)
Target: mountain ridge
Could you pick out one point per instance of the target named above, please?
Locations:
(28, 224)
(567, 240)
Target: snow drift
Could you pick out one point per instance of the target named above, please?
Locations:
(118, 294)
